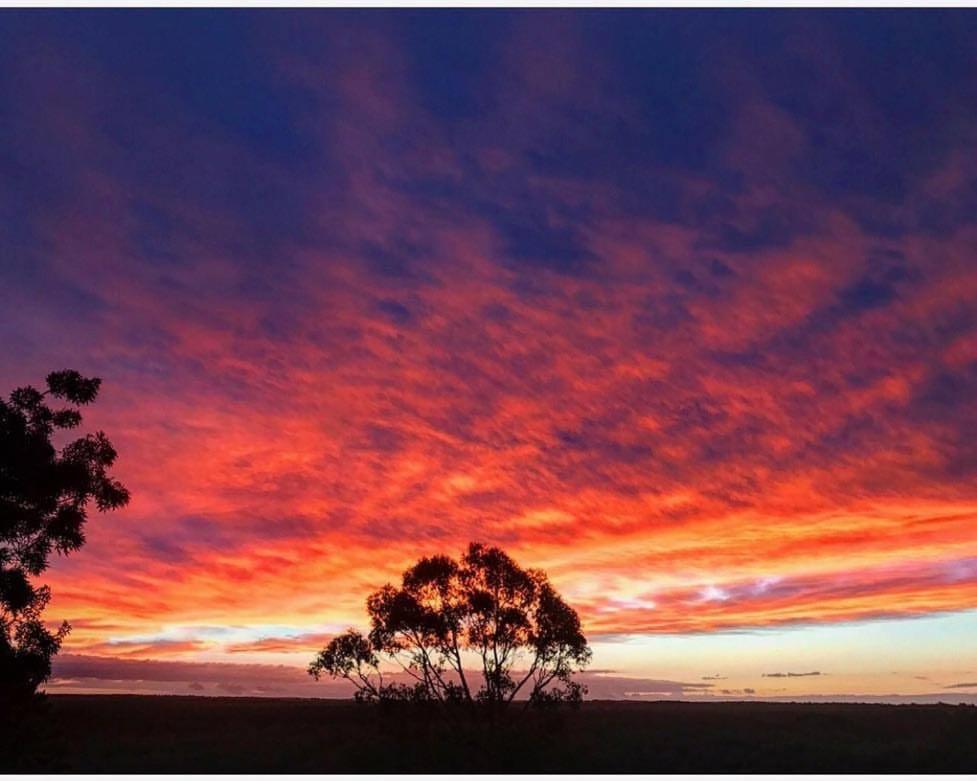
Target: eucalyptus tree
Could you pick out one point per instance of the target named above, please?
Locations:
(45, 494)
(525, 640)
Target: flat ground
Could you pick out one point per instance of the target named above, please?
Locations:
(195, 734)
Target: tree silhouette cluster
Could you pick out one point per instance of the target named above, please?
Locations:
(44, 496)
(485, 607)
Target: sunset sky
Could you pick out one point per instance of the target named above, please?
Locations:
(680, 307)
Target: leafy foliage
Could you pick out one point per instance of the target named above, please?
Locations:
(520, 631)
(44, 496)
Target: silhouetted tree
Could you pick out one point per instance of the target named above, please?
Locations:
(510, 621)
(44, 496)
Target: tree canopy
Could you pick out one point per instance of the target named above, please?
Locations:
(508, 620)
(45, 493)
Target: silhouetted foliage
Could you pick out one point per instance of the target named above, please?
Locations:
(485, 607)
(44, 496)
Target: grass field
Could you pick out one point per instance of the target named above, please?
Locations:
(186, 734)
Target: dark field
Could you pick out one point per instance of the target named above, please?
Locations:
(187, 734)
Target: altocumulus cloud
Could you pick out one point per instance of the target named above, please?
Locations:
(710, 339)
